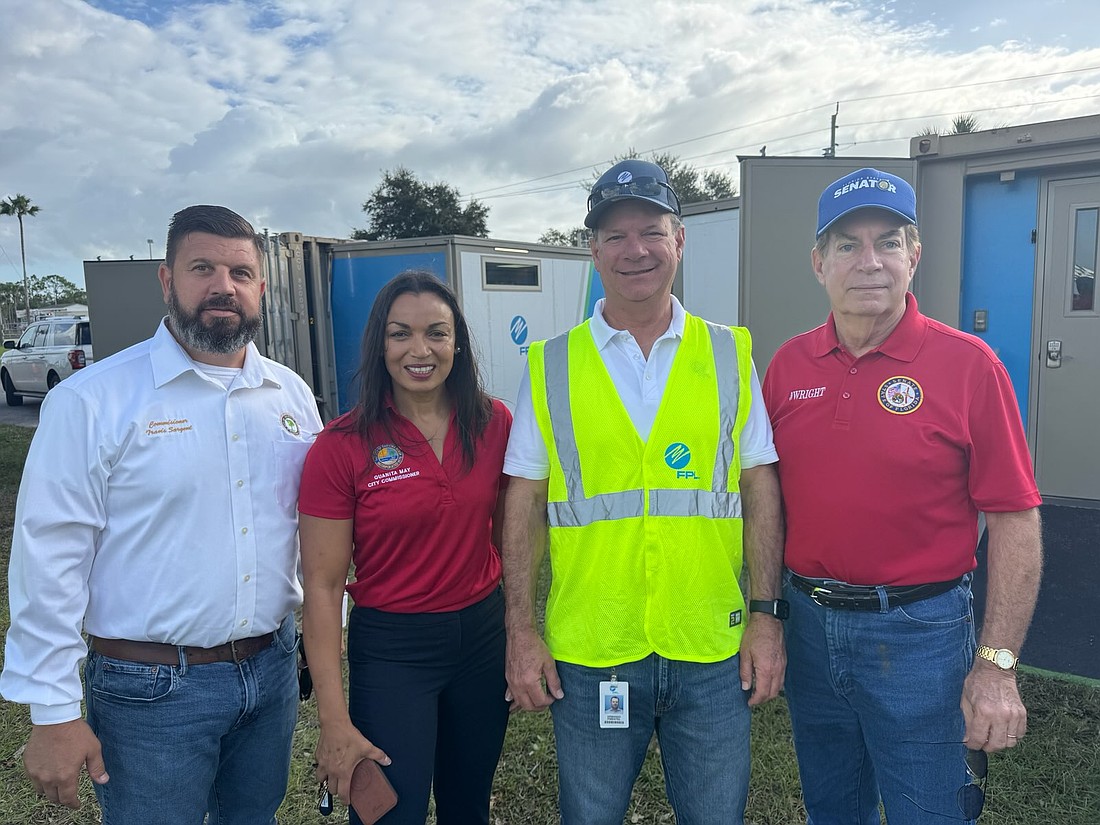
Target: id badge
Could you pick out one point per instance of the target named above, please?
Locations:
(614, 704)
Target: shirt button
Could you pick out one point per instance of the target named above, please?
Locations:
(244, 530)
(846, 395)
(236, 437)
(244, 622)
(247, 578)
(240, 482)
(853, 370)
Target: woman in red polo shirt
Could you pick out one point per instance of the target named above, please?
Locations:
(408, 486)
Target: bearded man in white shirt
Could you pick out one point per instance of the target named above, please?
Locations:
(157, 512)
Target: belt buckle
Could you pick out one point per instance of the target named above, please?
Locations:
(824, 591)
(233, 649)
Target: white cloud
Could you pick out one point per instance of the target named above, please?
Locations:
(289, 110)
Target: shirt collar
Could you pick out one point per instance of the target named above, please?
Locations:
(902, 344)
(170, 361)
(602, 333)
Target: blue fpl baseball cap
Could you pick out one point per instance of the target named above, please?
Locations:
(865, 188)
(631, 180)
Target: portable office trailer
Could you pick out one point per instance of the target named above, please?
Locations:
(320, 292)
(780, 297)
(707, 283)
(1010, 220)
(126, 303)
(298, 314)
(511, 293)
(1010, 229)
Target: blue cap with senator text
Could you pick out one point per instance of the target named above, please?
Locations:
(866, 188)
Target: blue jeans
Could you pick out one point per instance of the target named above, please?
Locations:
(701, 718)
(182, 741)
(874, 702)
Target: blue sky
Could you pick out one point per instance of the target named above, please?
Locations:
(964, 25)
(116, 113)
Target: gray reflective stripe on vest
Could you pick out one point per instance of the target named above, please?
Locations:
(555, 361)
(694, 503)
(725, 365)
(578, 511)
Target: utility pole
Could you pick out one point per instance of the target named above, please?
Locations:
(831, 151)
(150, 242)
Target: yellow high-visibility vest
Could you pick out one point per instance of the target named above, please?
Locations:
(645, 536)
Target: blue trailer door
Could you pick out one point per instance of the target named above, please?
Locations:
(998, 270)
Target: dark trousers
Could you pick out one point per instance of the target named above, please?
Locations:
(428, 689)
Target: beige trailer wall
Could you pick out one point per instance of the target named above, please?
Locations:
(780, 297)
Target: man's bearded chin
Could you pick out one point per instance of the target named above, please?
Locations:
(222, 335)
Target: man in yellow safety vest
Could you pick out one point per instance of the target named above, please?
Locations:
(642, 455)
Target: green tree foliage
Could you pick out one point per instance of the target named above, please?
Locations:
(20, 206)
(692, 184)
(963, 124)
(45, 291)
(402, 206)
(563, 237)
(55, 290)
(12, 297)
(960, 125)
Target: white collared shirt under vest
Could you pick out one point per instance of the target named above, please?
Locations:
(640, 384)
(156, 505)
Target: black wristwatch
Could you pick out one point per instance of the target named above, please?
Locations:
(773, 607)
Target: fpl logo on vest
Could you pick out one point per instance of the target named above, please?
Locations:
(677, 456)
(518, 330)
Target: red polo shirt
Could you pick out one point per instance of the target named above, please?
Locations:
(423, 530)
(885, 460)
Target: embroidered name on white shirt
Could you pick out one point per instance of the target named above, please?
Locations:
(173, 425)
(814, 392)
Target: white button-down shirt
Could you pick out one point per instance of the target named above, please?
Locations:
(640, 383)
(158, 505)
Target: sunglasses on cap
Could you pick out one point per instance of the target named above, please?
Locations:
(658, 190)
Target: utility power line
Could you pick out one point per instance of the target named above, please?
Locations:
(770, 140)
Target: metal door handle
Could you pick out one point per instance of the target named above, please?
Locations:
(1054, 354)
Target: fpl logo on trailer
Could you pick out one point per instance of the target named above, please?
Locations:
(677, 457)
(518, 330)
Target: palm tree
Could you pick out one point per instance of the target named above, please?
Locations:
(20, 206)
(964, 124)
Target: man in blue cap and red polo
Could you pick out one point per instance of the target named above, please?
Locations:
(642, 455)
(895, 432)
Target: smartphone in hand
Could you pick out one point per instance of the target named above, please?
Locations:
(371, 793)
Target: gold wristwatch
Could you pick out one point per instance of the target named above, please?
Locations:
(1002, 657)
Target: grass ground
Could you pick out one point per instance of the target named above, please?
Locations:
(1052, 777)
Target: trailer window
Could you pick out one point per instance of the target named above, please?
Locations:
(1083, 275)
(511, 274)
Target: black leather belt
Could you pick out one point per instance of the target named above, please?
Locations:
(866, 597)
